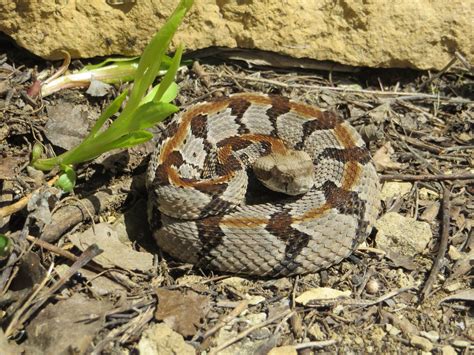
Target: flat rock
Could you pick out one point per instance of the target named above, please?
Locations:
(403, 235)
(161, 339)
(417, 34)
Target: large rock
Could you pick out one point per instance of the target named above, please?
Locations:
(419, 34)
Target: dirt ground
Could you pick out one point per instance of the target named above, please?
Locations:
(406, 290)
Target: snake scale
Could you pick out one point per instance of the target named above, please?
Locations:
(327, 188)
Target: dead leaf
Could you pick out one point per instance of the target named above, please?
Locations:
(382, 158)
(116, 253)
(321, 294)
(69, 324)
(10, 167)
(403, 261)
(67, 124)
(182, 311)
(430, 212)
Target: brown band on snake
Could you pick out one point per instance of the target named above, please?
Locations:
(238, 108)
(210, 236)
(199, 126)
(280, 225)
(345, 155)
(279, 106)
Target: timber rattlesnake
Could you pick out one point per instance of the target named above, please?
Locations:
(198, 177)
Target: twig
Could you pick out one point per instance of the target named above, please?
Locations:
(420, 144)
(249, 330)
(407, 95)
(315, 344)
(438, 74)
(378, 300)
(52, 248)
(443, 245)
(463, 60)
(72, 214)
(227, 318)
(201, 73)
(21, 203)
(459, 147)
(427, 177)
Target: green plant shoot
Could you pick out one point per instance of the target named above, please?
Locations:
(142, 110)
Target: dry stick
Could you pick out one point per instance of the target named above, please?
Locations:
(463, 60)
(443, 245)
(249, 330)
(315, 344)
(420, 144)
(427, 177)
(407, 95)
(52, 248)
(21, 203)
(241, 306)
(366, 303)
(438, 74)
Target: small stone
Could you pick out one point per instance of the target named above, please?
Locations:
(378, 334)
(392, 330)
(338, 309)
(283, 350)
(421, 343)
(460, 343)
(372, 286)
(453, 287)
(448, 350)
(316, 332)
(427, 194)
(432, 335)
(454, 254)
(404, 235)
(161, 339)
(393, 189)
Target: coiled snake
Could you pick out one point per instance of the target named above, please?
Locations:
(199, 173)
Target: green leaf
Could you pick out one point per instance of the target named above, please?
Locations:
(170, 74)
(36, 152)
(168, 96)
(150, 114)
(109, 111)
(5, 246)
(130, 139)
(67, 179)
(153, 54)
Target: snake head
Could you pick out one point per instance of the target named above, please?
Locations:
(290, 172)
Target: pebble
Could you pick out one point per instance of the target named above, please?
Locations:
(460, 343)
(421, 343)
(448, 350)
(431, 335)
(372, 286)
